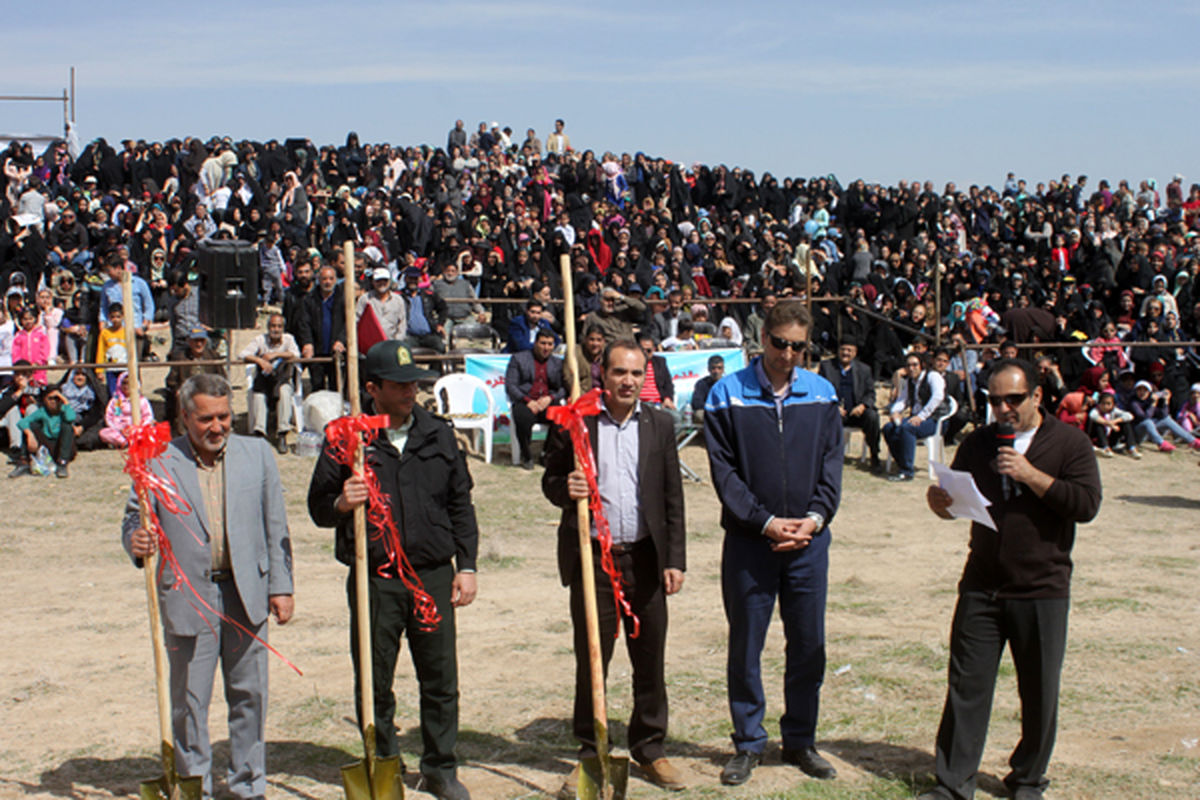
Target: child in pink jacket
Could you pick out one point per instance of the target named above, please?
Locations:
(119, 415)
(31, 344)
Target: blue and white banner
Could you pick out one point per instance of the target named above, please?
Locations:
(686, 367)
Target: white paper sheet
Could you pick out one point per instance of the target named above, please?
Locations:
(969, 502)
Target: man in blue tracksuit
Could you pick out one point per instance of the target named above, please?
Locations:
(775, 449)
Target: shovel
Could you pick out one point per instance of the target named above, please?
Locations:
(171, 785)
(603, 776)
(372, 778)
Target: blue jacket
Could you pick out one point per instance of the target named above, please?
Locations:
(143, 301)
(520, 335)
(763, 465)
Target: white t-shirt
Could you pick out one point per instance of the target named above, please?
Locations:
(7, 331)
(1023, 439)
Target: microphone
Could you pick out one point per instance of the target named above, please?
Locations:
(1006, 436)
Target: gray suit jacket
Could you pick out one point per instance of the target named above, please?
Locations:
(260, 548)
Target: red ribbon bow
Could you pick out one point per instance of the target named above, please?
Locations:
(570, 419)
(344, 436)
(147, 442)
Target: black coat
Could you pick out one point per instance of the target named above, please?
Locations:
(428, 487)
(660, 492)
(860, 375)
(310, 319)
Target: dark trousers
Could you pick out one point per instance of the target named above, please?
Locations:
(902, 439)
(434, 659)
(868, 423)
(61, 447)
(1106, 438)
(431, 341)
(523, 422)
(1036, 634)
(643, 584)
(952, 426)
(752, 577)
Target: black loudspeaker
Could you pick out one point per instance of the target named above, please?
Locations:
(228, 283)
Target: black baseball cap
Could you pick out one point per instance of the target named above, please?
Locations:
(392, 361)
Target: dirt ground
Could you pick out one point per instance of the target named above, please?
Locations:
(77, 709)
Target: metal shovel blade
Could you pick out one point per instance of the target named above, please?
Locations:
(592, 784)
(164, 789)
(378, 780)
(171, 786)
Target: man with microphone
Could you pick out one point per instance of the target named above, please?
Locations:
(1041, 478)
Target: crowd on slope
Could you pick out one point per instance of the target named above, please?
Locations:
(657, 247)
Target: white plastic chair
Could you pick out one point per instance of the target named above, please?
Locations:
(297, 396)
(933, 442)
(455, 394)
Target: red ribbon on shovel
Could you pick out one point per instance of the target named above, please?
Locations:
(570, 419)
(344, 436)
(147, 442)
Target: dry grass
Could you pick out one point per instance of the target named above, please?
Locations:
(77, 710)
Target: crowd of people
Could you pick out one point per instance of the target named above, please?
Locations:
(690, 256)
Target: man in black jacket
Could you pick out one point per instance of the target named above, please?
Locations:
(424, 475)
(1016, 583)
(294, 297)
(855, 388)
(426, 312)
(323, 327)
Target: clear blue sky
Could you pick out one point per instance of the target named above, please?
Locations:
(880, 90)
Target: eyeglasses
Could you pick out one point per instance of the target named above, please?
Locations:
(780, 343)
(1012, 400)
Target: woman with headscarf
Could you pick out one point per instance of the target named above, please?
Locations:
(615, 185)
(294, 200)
(87, 396)
(1158, 291)
(600, 252)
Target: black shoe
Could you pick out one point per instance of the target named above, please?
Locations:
(60, 471)
(22, 469)
(449, 788)
(903, 476)
(281, 444)
(527, 464)
(811, 763)
(737, 770)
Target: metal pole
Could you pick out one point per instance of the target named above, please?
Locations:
(66, 119)
(72, 95)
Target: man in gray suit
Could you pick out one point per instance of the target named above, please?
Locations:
(232, 545)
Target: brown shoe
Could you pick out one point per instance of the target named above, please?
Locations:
(662, 772)
(569, 786)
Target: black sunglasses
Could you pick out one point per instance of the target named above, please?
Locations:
(1013, 400)
(780, 343)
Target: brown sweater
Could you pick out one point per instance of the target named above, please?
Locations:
(1030, 556)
